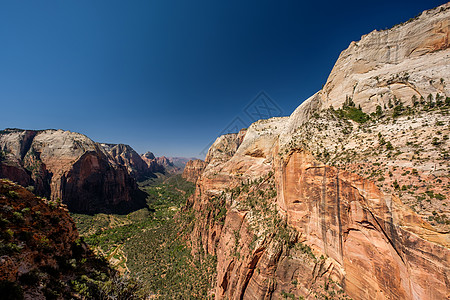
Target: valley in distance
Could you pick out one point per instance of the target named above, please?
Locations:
(346, 198)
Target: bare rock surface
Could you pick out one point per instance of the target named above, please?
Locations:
(193, 169)
(160, 164)
(125, 156)
(68, 166)
(348, 201)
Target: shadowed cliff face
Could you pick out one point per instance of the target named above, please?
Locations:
(69, 166)
(320, 205)
(92, 185)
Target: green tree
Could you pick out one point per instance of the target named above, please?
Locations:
(430, 100)
(379, 111)
(415, 101)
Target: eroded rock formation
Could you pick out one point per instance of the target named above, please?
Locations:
(193, 169)
(68, 166)
(344, 201)
(160, 164)
(125, 156)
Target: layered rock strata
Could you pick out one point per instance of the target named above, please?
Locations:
(125, 156)
(69, 166)
(349, 196)
(193, 169)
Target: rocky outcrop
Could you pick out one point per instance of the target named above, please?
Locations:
(193, 170)
(224, 147)
(151, 162)
(348, 201)
(68, 166)
(41, 254)
(159, 164)
(167, 164)
(406, 60)
(125, 156)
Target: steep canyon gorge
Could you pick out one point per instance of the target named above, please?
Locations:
(346, 198)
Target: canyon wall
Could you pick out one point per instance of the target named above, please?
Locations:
(136, 166)
(193, 169)
(160, 164)
(69, 166)
(348, 196)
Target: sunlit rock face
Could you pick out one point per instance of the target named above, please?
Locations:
(125, 156)
(319, 205)
(408, 59)
(48, 247)
(193, 169)
(69, 166)
(160, 164)
(360, 228)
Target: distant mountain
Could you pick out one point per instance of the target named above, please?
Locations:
(125, 156)
(180, 162)
(69, 166)
(168, 165)
(163, 164)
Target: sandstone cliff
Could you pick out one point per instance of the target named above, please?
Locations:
(151, 162)
(125, 156)
(193, 169)
(349, 196)
(160, 164)
(168, 165)
(69, 166)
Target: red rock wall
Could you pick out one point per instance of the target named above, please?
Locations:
(378, 244)
(193, 169)
(368, 244)
(71, 167)
(94, 185)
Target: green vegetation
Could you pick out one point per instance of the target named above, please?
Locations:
(60, 267)
(394, 108)
(439, 218)
(150, 242)
(431, 103)
(349, 111)
(2, 155)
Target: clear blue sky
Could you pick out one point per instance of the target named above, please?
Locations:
(168, 76)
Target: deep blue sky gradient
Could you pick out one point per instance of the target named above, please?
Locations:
(169, 76)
